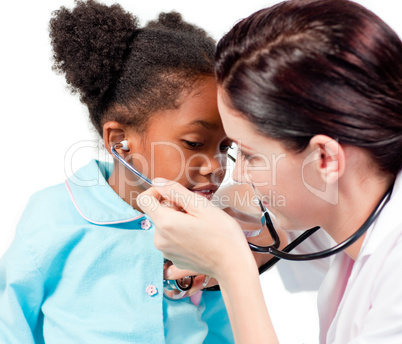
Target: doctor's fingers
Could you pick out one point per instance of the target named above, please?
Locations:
(150, 199)
(200, 280)
(181, 197)
(162, 212)
(173, 272)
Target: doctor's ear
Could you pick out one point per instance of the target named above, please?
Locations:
(329, 158)
(114, 133)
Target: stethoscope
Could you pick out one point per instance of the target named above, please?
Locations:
(184, 284)
(173, 289)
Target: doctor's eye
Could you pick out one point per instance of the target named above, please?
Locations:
(245, 156)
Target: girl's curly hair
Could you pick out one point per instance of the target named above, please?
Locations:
(124, 72)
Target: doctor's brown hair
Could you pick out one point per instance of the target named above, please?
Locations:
(121, 71)
(304, 67)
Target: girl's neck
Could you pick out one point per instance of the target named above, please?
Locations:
(123, 183)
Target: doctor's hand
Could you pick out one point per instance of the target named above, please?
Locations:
(239, 201)
(195, 234)
(250, 222)
(200, 281)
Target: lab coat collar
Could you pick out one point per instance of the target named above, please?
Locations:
(95, 200)
(387, 221)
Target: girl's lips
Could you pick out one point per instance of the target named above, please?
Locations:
(206, 192)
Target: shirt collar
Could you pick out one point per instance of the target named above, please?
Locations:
(95, 200)
(388, 220)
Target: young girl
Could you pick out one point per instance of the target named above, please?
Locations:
(83, 267)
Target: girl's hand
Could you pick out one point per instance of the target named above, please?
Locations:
(199, 237)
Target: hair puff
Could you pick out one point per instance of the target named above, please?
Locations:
(89, 46)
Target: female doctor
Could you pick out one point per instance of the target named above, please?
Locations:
(311, 91)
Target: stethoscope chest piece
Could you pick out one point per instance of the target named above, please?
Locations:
(176, 289)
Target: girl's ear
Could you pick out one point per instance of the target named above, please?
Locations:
(330, 158)
(113, 132)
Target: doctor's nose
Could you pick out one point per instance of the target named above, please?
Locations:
(238, 172)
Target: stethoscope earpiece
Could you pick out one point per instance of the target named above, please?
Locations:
(124, 145)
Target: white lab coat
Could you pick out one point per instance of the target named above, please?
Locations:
(361, 301)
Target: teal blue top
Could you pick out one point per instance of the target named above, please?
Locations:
(83, 269)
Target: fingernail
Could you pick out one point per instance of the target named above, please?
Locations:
(206, 281)
(159, 181)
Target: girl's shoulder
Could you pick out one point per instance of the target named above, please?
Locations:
(46, 204)
(48, 212)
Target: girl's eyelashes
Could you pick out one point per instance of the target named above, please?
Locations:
(195, 145)
(192, 144)
(225, 147)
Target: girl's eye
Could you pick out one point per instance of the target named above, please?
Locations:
(225, 148)
(193, 145)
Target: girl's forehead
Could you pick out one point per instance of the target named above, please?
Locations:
(187, 121)
(198, 110)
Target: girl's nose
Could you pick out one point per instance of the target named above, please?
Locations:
(214, 165)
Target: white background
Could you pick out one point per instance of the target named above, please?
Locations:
(41, 121)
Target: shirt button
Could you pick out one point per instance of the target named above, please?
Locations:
(145, 224)
(151, 290)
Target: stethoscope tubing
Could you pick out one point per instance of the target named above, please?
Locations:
(129, 167)
(178, 284)
(273, 249)
(282, 254)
